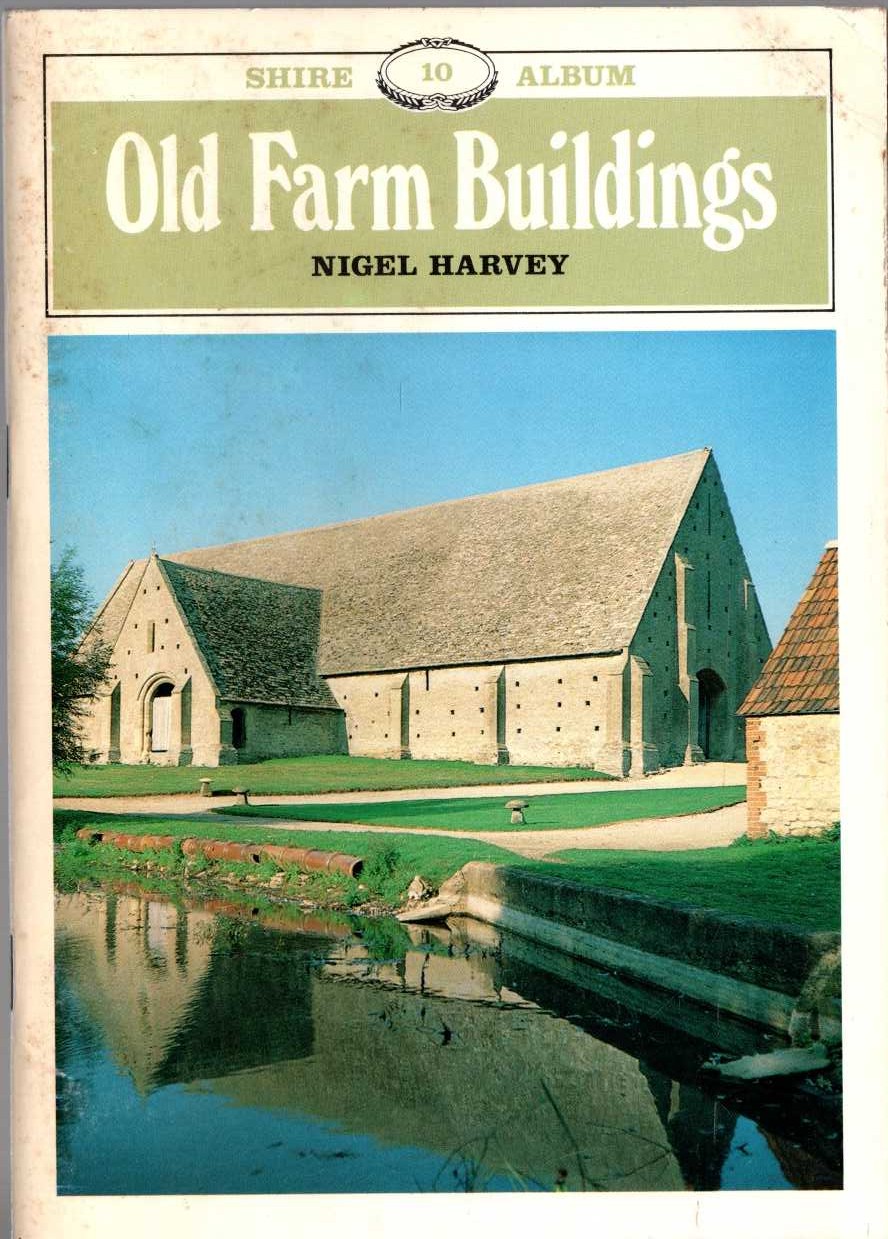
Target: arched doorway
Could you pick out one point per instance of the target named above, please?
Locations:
(710, 701)
(238, 728)
(160, 716)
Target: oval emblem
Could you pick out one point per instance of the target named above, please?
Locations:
(437, 73)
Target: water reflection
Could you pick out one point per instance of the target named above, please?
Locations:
(202, 1049)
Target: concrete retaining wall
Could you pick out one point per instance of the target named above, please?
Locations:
(755, 970)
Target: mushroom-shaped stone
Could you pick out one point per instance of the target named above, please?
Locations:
(517, 807)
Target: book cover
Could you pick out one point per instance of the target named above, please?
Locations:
(447, 607)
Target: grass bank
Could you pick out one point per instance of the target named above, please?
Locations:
(296, 776)
(792, 881)
(390, 861)
(568, 810)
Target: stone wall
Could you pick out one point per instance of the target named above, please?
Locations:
(281, 731)
(551, 712)
(793, 773)
(155, 648)
(372, 706)
(447, 713)
(622, 712)
(563, 711)
(453, 713)
(703, 615)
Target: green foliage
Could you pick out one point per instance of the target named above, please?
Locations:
(796, 882)
(831, 835)
(383, 864)
(74, 860)
(246, 869)
(564, 811)
(336, 890)
(196, 865)
(303, 775)
(390, 861)
(230, 935)
(79, 671)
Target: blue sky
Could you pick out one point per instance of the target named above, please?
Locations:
(180, 441)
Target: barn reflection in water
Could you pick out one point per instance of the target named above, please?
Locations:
(494, 1063)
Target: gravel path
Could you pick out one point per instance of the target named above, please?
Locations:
(710, 774)
(664, 834)
(717, 828)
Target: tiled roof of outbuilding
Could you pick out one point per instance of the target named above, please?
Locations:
(259, 638)
(801, 675)
(554, 569)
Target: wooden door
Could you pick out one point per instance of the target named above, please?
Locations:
(160, 724)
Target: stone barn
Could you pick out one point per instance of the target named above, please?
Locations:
(792, 717)
(210, 668)
(607, 620)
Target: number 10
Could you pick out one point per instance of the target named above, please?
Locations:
(441, 72)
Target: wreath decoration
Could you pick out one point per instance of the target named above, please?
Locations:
(416, 101)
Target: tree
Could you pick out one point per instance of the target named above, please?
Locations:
(79, 667)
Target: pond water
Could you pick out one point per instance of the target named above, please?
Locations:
(214, 1046)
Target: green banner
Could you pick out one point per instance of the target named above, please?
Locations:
(362, 205)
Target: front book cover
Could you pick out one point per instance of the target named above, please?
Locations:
(433, 435)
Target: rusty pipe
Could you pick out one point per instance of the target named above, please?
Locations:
(92, 835)
(314, 859)
(143, 843)
(132, 843)
(306, 858)
(218, 849)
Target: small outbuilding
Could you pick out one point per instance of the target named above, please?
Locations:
(792, 718)
(210, 669)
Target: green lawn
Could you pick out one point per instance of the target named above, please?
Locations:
(559, 812)
(794, 881)
(303, 775)
(791, 881)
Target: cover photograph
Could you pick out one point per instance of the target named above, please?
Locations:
(447, 609)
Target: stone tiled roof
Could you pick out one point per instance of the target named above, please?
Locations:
(109, 620)
(259, 638)
(801, 675)
(553, 569)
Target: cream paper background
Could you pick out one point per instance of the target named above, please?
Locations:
(858, 42)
